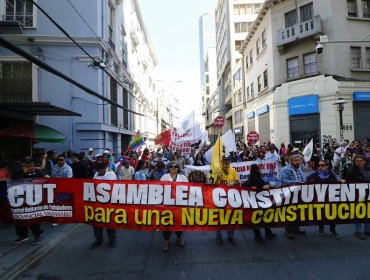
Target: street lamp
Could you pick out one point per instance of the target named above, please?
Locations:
(340, 107)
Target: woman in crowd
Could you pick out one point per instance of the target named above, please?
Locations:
(141, 170)
(173, 175)
(256, 181)
(324, 175)
(199, 161)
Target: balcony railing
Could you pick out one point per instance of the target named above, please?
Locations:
(299, 31)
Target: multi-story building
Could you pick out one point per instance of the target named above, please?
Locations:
(141, 61)
(113, 59)
(297, 102)
(210, 87)
(233, 21)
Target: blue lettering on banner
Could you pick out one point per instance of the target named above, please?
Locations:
(303, 105)
(361, 96)
(262, 110)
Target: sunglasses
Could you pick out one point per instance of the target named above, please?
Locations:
(174, 166)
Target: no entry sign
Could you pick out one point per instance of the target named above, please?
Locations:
(219, 122)
(253, 137)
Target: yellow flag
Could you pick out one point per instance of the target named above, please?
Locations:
(216, 160)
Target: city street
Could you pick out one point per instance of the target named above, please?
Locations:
(138, 255)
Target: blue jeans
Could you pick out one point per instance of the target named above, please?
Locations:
(359, 226)
(230, 233)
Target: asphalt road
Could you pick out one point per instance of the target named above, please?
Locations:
(138, 255)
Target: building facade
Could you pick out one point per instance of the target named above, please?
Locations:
(303, 83)
(114, 59)
(233, 22)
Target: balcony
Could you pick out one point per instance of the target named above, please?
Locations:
(298, 32)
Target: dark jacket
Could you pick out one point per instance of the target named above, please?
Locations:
(354, 174)
(256, 182)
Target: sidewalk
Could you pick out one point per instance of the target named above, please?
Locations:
(14, 258)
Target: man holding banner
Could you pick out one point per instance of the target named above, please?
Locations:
(228, 176)
(292, 173)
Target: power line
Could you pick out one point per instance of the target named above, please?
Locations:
(82, 49)
(83, 19)
(50, 69)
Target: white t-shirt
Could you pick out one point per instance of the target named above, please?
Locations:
(179, 178)
(127, 172)
(109, 175)
(340, 150)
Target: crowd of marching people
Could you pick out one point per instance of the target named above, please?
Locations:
(333, 162)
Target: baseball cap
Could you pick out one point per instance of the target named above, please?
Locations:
(91, 149)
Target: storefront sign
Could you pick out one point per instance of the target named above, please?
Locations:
(262, 110)
(250, 115)
(303, 105)
(361, 96)
(238, 130)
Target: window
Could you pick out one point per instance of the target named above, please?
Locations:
(238, 44)
(292, 67)
(246, 62)
(241, 27)
(19, 10)
(290, 18)
(366, 8)
(239, 97)
(257, 8)
(306, 12)
(367, 58)
(309, 61)
(111, 26)
(240, 9)
(258, 46)
(238, 117)
(237, 77)
(248, 97)
(259, 85)
(16, 81)
(352, 8)
(251, 57)
(356, 57)
(252, 90)
(265, 79)
(113, 98)
(263, 39)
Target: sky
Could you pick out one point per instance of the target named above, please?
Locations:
(173, 29)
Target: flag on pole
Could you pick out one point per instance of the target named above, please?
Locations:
(136, 142)
(216, 159)
(186, 123)
(307, 152)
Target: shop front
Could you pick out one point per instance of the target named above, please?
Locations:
(304, 120)
(263, 114)
(361, 115)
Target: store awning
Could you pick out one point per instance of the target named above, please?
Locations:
(34, 131)
(9, 107)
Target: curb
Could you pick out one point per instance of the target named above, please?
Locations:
(16, 263)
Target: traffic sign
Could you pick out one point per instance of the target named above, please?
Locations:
(219, 122)
(253, 137)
